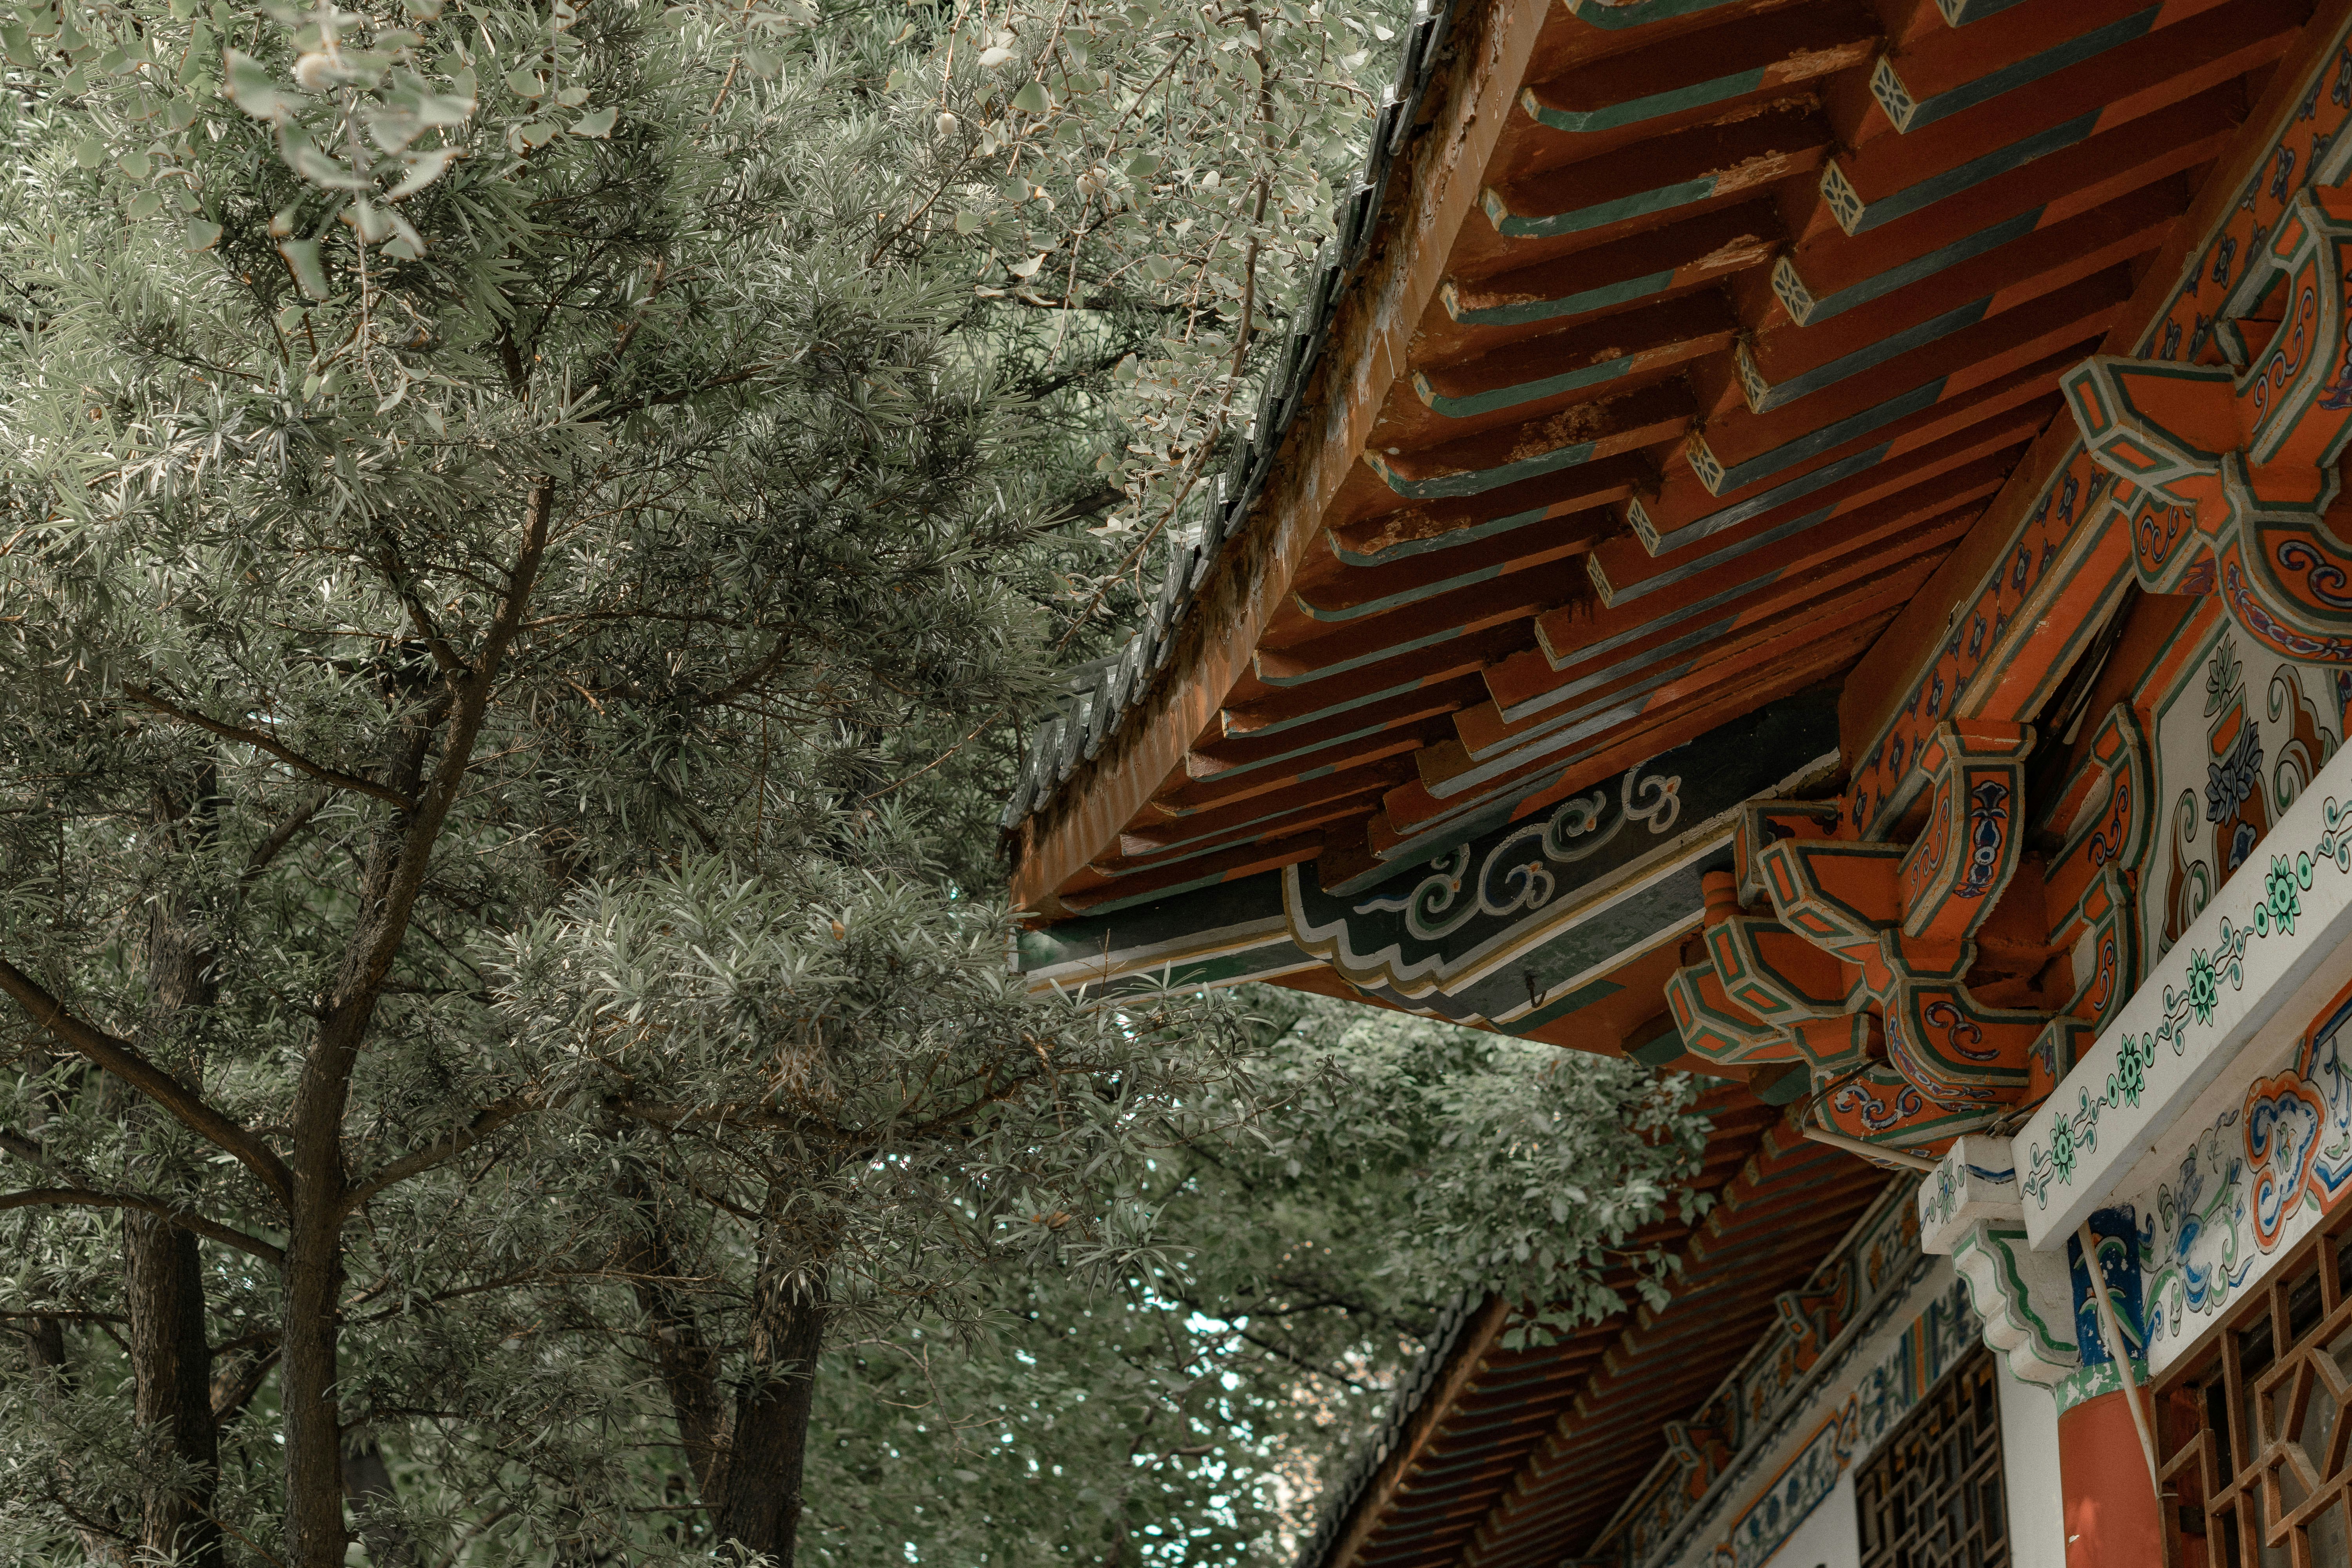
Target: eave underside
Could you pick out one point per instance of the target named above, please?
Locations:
(1714, 371)
(1531, 1452)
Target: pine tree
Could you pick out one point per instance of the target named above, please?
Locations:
(528, 537)
(478, 512)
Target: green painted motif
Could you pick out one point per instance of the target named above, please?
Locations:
(2195, 1006)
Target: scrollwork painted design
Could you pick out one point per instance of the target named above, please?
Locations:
(1877, 1114)
(2243, 1182)
(1515, 874)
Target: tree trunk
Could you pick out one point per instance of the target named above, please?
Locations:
(164, 1279)
(367, 1483)
(52, 1378)
(689, 1364)
(312, 1425)
(171, 1367)
(760, 1505)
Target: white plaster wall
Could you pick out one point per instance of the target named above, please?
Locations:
(1831, 1536)
(2028, 1462)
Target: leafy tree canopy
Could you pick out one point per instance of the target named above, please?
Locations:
(526, 533)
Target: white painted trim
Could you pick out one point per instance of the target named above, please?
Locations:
(2228, 975)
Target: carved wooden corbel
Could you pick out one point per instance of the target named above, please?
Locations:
(2230, 471)
(1903, 975)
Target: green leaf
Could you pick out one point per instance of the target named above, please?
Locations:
(304, 157)
(251, 88)
(526, 84)
(91, 152)
(598, 123)
(1033, 99)
(145, 204)
(422, 169)
(302, 257)
(201, 236)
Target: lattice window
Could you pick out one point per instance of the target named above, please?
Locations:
(2255, 1470)
(1932, 1497)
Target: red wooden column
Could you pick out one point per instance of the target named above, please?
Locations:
(2111, 1510)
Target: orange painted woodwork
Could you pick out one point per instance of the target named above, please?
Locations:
(2110, 1502)
(2237, 466)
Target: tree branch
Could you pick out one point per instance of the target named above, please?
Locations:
(483, 1122)
(121, 1058)
(195, 1225)
(283, 833)
(261, 741)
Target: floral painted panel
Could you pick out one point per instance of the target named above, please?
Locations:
(2239, 738)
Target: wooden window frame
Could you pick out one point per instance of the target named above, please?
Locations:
(1972, 1388)
(2235, 1374)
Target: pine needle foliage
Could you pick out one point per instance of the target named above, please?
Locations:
(526, 533)
(485, 545)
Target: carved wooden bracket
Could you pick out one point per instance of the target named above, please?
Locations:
(1903, 975)
(2230, 471)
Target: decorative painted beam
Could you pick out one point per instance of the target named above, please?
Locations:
(2275, 940)
(1948, 476)
(1450, 770)
(1893, 177)
(2008, 412)
(1564, 880)
(1697, 70)
(1374, 591)
(1555, 363)
(1945, 73)
(2237, 467)
(1781, 363)
(1833, 272)
(1398, 532)
(1472, 465)
(1484, 726)
(1412, 819)
(1615, 15)
(1738, 447)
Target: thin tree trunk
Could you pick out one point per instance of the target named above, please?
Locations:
(171, 1357)
(171, 1367)
(52, 1377)
(689, 1364)
(768, 1450)
(315, 1534)
(367, 1483)
(397, 863)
